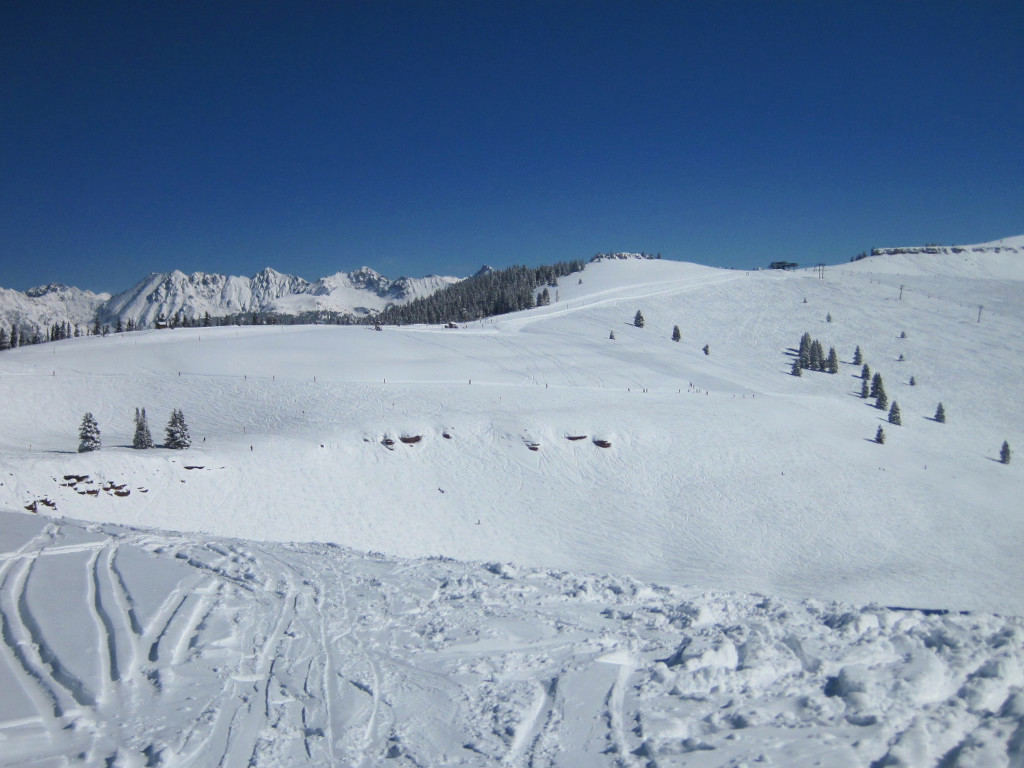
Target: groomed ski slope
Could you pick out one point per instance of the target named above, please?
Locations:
(753, 498)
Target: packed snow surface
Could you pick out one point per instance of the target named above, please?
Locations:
(567, 472)
(133, 647)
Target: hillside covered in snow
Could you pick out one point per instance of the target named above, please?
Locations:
(594, 545)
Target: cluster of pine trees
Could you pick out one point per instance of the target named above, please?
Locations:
(811, 357)
(177, 434)
(19, 336)
(483, 295)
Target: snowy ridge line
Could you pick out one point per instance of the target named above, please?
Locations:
(159, 297)
(371, 660)
(614, 296)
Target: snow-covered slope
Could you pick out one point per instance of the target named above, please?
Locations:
(998, 260)
(140, 647)
(753, 497)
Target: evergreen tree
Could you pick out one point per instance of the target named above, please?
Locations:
(880, 436)
(894, 414)
(796, 370)
(143, 439)
(177, 431)
(1005, 453)
(912, 382)
(120, 325)
(864, 393)
(805, 351)
(3, 338)
(903, 334)
(940, 414)
(611, 335)
(858, 358)
(676, 335)
(638, 319)
(88, 434)
(876, 382)
(15, 336)
(206, 319)
(832, 364)
(865, 372)
(817, 356)
(881, 399)
(828, 318)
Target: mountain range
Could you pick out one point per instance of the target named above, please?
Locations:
(164, 294)
(362, 292)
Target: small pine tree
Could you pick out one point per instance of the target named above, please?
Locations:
(876, 380)
(940, 414)
(805, 351)
(881, 399)
(903, 334)
(676, 335)
(143, 439)
(864, 393)
(88, 434)
(1005, 453)
(832, 363)
(817, 356)
(880, 436)
(796, 370)
(912, 382)
(865, 372)
(638, 319)
(177, 431)
(901, 357)
(828, 318)
(894, 414)
(858, 358)
(611, 335)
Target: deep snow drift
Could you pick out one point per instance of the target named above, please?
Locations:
(721, 471)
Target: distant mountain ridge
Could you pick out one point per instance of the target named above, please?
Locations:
(38, 308)
(1006, 245)
(166, 294)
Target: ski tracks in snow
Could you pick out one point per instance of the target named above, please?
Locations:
(124, 647)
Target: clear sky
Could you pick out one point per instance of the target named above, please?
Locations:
(433, 137)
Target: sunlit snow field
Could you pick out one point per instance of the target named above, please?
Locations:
(668, 599)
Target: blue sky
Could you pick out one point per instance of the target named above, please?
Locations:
(433, 137)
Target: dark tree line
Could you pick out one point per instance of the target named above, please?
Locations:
(483, 295)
